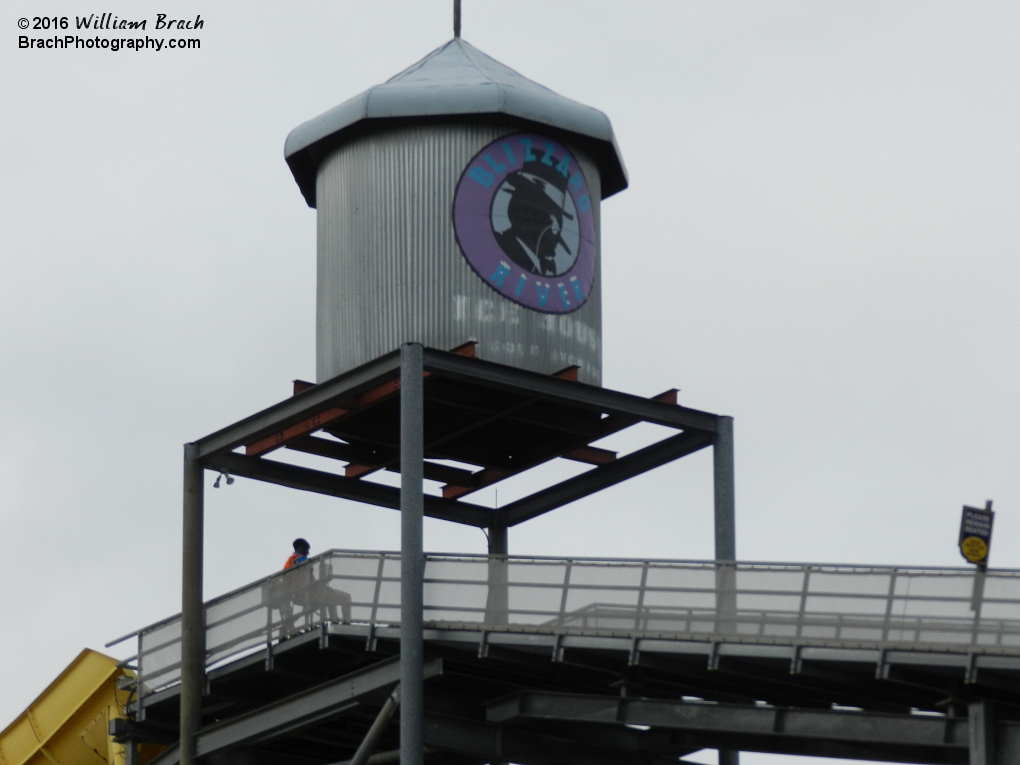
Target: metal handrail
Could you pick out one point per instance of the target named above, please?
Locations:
(824, 604)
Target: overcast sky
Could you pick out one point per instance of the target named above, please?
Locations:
(820, 239)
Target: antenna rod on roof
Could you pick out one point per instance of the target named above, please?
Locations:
(456, 18)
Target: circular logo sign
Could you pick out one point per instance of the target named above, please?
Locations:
(974, 549)
(523, 219)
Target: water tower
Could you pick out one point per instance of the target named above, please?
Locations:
(459, 344)
(459, 201)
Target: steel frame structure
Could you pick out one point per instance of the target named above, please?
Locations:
(582, 414)
(291, 422)
(498, 694)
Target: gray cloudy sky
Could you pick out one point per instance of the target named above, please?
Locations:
(820, 239)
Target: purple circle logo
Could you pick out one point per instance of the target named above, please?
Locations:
(523, 220)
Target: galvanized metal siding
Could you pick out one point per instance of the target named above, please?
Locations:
(390, 270)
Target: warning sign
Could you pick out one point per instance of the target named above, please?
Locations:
(976, 534)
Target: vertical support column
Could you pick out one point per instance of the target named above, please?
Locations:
(725, 528)
(498, 543)
(130, 752)
(981, 733)
(725, 540)
(725, 503)
(192, 606)
(498, 604)
(412, 554)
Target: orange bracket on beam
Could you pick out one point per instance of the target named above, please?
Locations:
(591, 455)
(316, 422)
(667, 397)
(465, 349)
(320, 420)
(303, 428)
(357, 470)
(482, 479)
(378, 393)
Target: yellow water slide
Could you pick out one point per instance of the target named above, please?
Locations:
(68, 723)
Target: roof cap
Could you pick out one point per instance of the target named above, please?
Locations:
(454, 79)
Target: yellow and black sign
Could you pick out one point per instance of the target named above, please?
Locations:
(976, 533)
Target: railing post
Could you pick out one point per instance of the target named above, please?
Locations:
(192, 607)
(805, 588)
(562, 618)
(977, 599)
(412, 555)
(889, 606)
(640, 620)
(378, 589)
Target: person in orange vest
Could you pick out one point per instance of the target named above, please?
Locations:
(300, 554)
(309, 591)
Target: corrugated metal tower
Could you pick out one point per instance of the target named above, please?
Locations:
(459, 201)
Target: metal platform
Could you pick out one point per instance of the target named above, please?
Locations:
(496, 421)
(584, 660)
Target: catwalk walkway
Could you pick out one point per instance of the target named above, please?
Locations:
(563, 660)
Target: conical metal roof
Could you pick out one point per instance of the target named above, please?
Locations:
(455, 79)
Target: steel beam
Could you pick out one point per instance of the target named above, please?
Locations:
(192, 606)
(412, 554)
(297, 408)
(336, 450)
(303, 709)
(332, 392)
(492, 743)
(817, 732)
(379, 758)
(626, 741)
(567, 392)
(599, 478)
(306, 479)
(460, 511)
